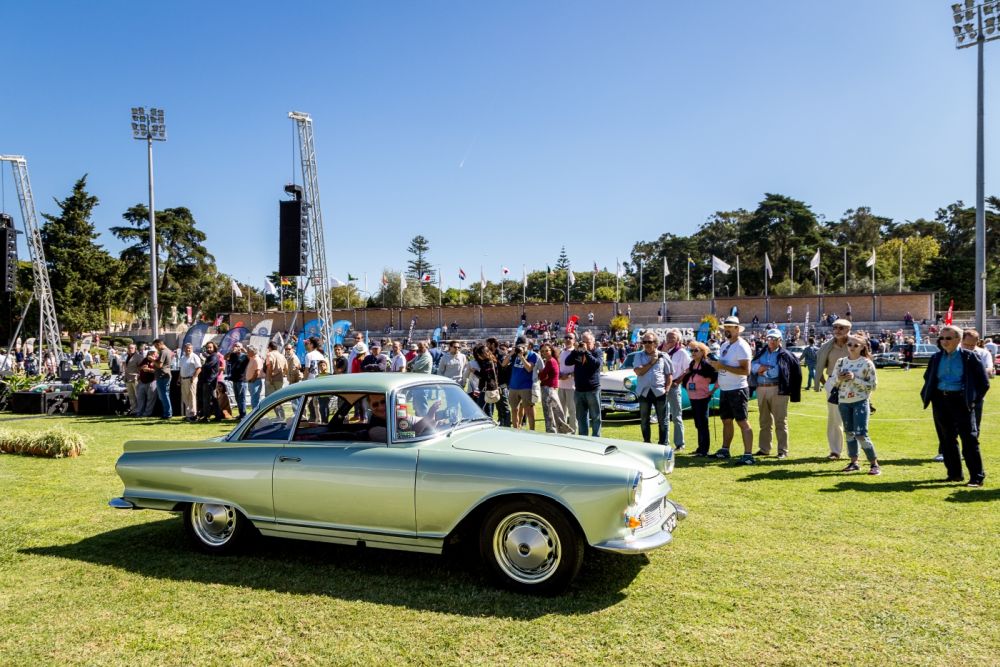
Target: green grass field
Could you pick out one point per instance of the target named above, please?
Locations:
(784, 562)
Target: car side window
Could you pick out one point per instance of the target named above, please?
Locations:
(342, 417)
(276, 423)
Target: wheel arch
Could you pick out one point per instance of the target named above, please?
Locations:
(467, 528)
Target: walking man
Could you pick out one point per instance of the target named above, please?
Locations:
(190, 366)
(733, 366)
(809, 356)
(779, 380)
(953, 383)
(826, 359)
(164, 362)
(680, 359)
(654, 382)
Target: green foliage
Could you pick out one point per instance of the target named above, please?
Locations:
(53, 443)
(85, 279)
(562, 262)
(18, 381)
(918, 254)
(413, 295)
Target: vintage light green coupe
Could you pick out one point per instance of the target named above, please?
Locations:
(409, 462)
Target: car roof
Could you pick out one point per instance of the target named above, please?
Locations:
(358, 382)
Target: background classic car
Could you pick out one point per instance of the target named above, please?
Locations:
(326, 460)
(618, 390)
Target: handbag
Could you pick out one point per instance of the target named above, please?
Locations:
(834, 396)
(492, 396)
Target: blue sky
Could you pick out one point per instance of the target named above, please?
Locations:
(500, 131)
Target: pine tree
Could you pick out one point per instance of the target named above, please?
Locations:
(419, 265)
(562, 263)
(84, 277)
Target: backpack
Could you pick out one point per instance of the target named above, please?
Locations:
(116, 365)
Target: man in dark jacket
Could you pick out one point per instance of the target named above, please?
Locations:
(953, 383)
(586, 360)
(778, 378)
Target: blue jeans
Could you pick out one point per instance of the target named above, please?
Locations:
(648, 402)
(255, 388)
(675, 408)
(163, 391)
(588, 408)
(855, 418)
(239, 390)
(811, 376)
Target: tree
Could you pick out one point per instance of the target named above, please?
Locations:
(562, 262)
(918, 253)
(84, 277)
(389, 294)
(187, 272)
(419, 265)
(779, 226)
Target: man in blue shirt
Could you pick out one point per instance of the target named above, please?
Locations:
(778, 378)
(654, 376)
(954, 382)
(522, 376)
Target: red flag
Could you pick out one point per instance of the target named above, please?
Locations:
(951, 309)
(571, 324)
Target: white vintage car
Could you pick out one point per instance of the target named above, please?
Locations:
(618, 390)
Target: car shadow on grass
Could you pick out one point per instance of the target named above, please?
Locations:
(452, 583)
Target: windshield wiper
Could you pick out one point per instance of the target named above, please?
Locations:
(467, 420)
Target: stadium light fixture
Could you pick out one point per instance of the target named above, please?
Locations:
(150, 127)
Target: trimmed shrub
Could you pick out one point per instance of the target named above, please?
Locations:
(53, 443)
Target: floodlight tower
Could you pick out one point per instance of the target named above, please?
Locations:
(976, 23)
(151, 128)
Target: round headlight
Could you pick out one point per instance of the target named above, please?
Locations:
(635, 488)
(629, 383)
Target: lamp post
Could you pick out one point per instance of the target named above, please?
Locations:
(967, 34)
(150, 127)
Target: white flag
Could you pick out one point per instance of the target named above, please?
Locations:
(569, 275)
(814, 262)
(402, 282)
(871, 260)
(666, 271)
(236, 289)
(269, 288)
(482, 279)
(719, 265)
(619, 269)
(336, 282)
(524, 275)
(767, 266)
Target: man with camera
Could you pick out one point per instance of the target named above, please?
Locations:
(654, 380)
(522, 377)
(587, 384)
(733, 364)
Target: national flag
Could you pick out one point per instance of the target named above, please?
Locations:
(595, 268)
(814, 262)
(218, 319)
(504, 270)
(691, 262)
(337, 282)
(719, 265)
(666, 270)
(269, 287)
(426, 278)
(461, 273)
(871, 260)
(385, 280)
(402, 281)
(948, 318)
(767, 266)
(350, 277)
(236, 288)
(285, 282)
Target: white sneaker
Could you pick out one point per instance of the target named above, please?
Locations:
(939, 457)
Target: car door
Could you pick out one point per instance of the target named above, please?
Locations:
(339, 473)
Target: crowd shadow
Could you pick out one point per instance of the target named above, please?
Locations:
(881, 486)
(453, 583)
(974, 496)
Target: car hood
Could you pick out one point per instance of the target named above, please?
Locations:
(650, 459)
(614, 379)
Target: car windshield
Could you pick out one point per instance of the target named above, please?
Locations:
(629, 360)
(434, 408)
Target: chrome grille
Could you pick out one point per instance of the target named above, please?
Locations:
(654, 513)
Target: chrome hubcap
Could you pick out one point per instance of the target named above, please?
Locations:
(526, 547)
(214, 524)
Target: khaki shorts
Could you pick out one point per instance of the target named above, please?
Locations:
(518, 396)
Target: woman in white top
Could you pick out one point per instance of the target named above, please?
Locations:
(854, 377)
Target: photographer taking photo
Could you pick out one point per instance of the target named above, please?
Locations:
(587, 381)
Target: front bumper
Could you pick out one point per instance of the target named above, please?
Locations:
(646, 543)
(619, 401)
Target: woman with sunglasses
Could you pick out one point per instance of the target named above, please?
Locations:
(699, 381)
(854, 377)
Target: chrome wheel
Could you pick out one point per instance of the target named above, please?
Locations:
(526, 547)
(214, 525)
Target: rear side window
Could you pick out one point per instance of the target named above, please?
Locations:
(276, 423)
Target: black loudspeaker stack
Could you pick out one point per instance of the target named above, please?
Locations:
(293, 242)
(8, 253)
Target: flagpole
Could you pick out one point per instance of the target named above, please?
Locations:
(593, 286)
(481, 285)
(737, 275)
(688, 263)
(546, 284)
(873, 271)
(640, 281)
(524, 284)
(663, 290)
(618, 280)
(792, 270)
(765, 275)
(569, 269)
(232, 296)
(901, 265)
(502, 300)
(845, 269)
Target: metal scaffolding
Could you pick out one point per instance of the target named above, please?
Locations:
(49, 332)
(311, 210)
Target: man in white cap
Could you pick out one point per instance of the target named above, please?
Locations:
(733, 365)
(826, 359)
(778, 377)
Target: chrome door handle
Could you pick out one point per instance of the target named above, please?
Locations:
(294, 459)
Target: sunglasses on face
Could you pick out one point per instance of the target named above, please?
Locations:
(949, 337)
(854, 345)
(841, 326)
(649, 342)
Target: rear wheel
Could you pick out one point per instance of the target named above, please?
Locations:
(215, 528)
(529, 545)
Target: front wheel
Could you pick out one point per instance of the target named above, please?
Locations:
(215, 528)
(529, 546)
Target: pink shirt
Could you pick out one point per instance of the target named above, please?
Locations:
(701, 386)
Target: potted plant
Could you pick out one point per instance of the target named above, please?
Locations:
(80, 386)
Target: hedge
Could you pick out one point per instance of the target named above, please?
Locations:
(53, 443)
